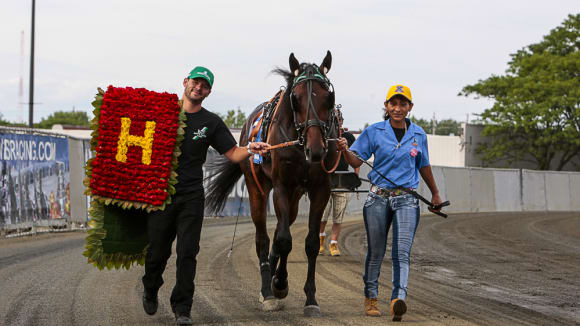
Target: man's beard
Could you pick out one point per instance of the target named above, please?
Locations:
(193, 100)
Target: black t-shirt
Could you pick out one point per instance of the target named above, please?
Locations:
(203, 129)
(342, 165)
(400, 132)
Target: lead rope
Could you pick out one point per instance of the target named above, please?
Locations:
(407, 190)
(236, 225)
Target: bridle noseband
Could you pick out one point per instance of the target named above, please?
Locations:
(311, 73)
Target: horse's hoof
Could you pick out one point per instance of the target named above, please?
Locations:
(279, 293)
(271, 304)
(312, 311)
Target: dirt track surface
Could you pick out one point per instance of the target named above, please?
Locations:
(475, 269)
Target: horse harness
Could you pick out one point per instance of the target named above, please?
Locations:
(311, 73)
(263, 121)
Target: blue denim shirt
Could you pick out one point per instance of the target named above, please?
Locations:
(399, 163)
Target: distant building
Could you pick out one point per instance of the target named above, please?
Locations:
(473, 139)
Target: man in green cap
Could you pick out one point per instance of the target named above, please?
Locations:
(183, 218)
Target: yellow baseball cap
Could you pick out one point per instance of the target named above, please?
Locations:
(399, 90)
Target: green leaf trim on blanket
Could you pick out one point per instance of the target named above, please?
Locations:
(117, 237)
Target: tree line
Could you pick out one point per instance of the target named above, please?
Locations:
(446, 127)
(75, 118)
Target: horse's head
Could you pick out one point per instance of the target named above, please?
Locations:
(312, 102)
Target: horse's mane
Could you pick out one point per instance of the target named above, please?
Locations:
(288, 76)
(284, 73)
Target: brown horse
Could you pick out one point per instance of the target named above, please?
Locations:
(305, 117)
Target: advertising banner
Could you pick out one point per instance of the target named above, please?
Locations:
(34, 178)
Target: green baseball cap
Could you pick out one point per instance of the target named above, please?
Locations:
(202, 72)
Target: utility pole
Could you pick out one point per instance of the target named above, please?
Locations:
(21, 80)
(433, 125)
(31, 93)
(466, 123)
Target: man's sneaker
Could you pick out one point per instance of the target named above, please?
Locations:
(398, 309)
(321, 250)
(183, 319)
(334, 249)
(372, 307)
(149, 303)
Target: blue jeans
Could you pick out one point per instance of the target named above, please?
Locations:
(379, 213)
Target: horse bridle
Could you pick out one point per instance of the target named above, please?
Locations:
(311, 73)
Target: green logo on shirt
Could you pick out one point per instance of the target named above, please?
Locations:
(200, 133)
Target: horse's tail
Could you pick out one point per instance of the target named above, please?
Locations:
(222, 180)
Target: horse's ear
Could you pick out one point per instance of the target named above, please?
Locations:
(326, 63)
(294, 64)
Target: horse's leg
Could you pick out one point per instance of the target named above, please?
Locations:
(318, 200)
(258, 211)
(285, 205)
(275, 253)
(274, 256)
(262, 250)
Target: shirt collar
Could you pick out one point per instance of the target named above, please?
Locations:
(411, 131)
(412, 127)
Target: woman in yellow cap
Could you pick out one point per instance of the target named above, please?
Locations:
(400, 153)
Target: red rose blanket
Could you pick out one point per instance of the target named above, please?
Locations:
(136, 138)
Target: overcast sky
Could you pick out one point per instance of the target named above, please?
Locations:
(434, 47)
